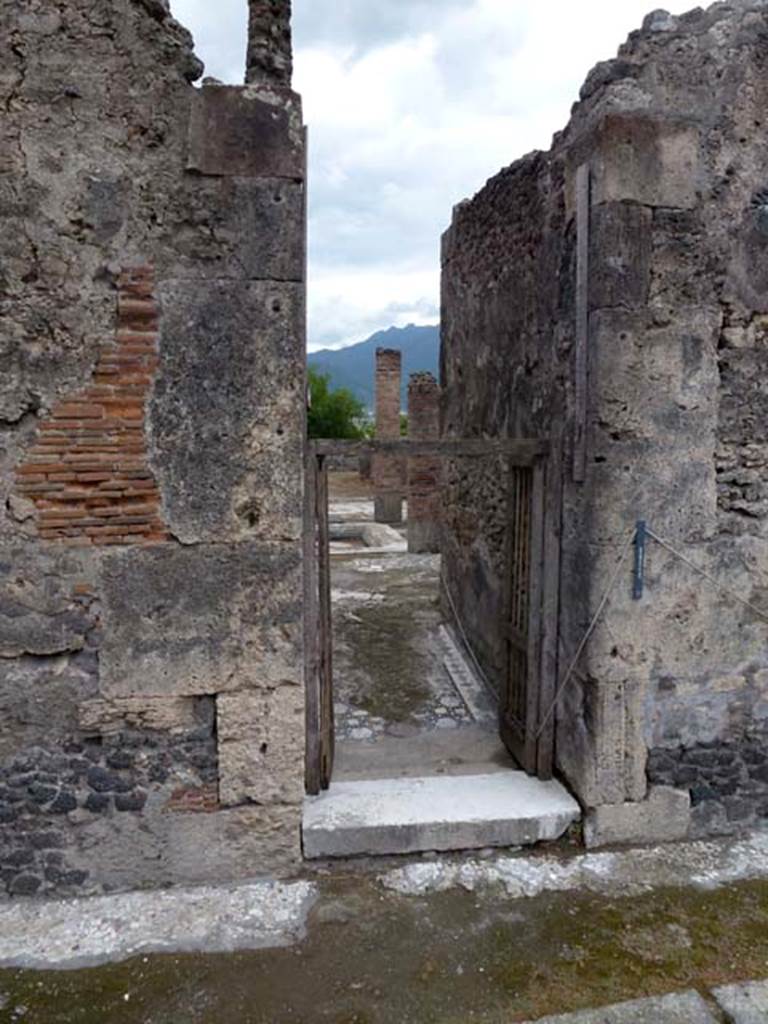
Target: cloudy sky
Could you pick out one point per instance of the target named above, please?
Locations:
(411, 106)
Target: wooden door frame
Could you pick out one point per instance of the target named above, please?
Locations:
(537, 758)
(533, 741)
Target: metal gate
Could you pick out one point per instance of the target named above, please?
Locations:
(531, 600)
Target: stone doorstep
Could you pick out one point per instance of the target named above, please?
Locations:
(415, 815)
(742, 1004)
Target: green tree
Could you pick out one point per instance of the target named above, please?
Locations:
(334, 413)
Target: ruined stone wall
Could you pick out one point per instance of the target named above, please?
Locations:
(388, 470)
(424, 472)
(151, 426)
(672, 689)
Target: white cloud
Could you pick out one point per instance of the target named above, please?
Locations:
(412, 105)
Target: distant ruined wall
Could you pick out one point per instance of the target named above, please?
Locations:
(151, 426)
(673, 690)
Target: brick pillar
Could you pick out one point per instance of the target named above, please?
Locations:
(424, 472)
(387, 469)
(270, 53)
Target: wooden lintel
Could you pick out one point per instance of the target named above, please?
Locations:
(519, 452)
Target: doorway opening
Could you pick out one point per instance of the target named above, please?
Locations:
(408, 748)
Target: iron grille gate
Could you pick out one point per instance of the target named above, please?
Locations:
(531, 601)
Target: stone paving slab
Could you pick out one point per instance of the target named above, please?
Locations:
(681, 1008)
(82, 932)
(744, 1004)
(435, 813)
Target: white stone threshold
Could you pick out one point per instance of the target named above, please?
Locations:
(412, 815)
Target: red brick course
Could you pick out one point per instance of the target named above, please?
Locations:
(88, 473)
(195, 800)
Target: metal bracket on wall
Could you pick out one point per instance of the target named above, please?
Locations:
(641, 537)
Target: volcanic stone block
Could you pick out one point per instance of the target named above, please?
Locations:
(200, 620)
(261, 749)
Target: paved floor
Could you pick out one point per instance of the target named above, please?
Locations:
(395, 672)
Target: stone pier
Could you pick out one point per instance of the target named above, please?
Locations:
(423, 472)
(387, 470)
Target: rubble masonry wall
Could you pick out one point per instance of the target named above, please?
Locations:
(673, 690)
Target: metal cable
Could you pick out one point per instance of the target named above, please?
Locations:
(592, 626)
(707, 576)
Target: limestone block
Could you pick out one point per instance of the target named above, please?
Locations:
(644, 159)
(261, 746)
(166, 714)
(620, 255)
(246, 132)
(200, 620)
(226, 419)
(664, 817)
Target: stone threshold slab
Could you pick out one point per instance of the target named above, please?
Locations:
(413, 815)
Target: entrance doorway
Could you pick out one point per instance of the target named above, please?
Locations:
(416, 721)
(530, 607)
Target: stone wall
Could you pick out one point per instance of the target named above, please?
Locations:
(672, 689)
(151, 432)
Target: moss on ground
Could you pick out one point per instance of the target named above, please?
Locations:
(373, 957)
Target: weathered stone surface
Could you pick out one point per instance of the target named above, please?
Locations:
(110, 659)
(228, 410)
(261, 747)
(744, 1004)
(200, 620)
(664, 817)
(167, 714)
(676, 356)
(270, 59)
(225, 123)
(685, 1008)
(646, 160)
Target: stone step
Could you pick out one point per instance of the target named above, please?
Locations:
(412, 815)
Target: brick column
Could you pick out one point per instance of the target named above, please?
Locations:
(424, 472)
(269, 60)
(387, 470)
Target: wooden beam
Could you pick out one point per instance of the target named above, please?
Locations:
(311, 629)
(519, 452)
(327, 726)
(581, 364)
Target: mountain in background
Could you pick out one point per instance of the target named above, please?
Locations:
(354, 367)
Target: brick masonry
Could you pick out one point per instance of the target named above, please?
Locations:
(87, 472)
(388, 470)
(424, 473)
